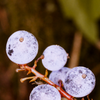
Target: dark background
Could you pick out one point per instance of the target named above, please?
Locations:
(51, 24)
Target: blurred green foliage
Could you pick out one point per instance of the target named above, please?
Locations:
(84, 13)
(44, 19)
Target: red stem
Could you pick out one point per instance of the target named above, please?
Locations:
(42, 77)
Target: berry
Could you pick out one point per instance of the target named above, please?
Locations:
(55, 57)
(56, 76)
(79, 82)
(21, 47)
(45, 92)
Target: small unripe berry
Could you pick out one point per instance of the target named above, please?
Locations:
(79, 82)
(55, 57)
(56, 76)
(22, 47)
(45, 92)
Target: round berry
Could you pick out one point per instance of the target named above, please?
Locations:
(45, 92)
(57, 76)
(79, 82)
(22, 47)
(55, 57)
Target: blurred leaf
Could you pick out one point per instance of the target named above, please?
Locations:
(80, 12)
(95, 8)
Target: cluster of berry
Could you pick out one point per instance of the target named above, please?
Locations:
(22, 48)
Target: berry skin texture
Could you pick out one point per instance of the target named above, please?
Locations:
(45, 92)
(56, 76)
(22, 47)
(55, 57)
(79, 82)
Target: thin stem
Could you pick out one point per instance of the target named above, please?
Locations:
(63, 93)
(43, 77)
(39, 75)
(88, 97)
(35, 63)
(74, 59)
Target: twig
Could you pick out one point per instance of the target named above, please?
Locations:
(75, 50)
(42, 77)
